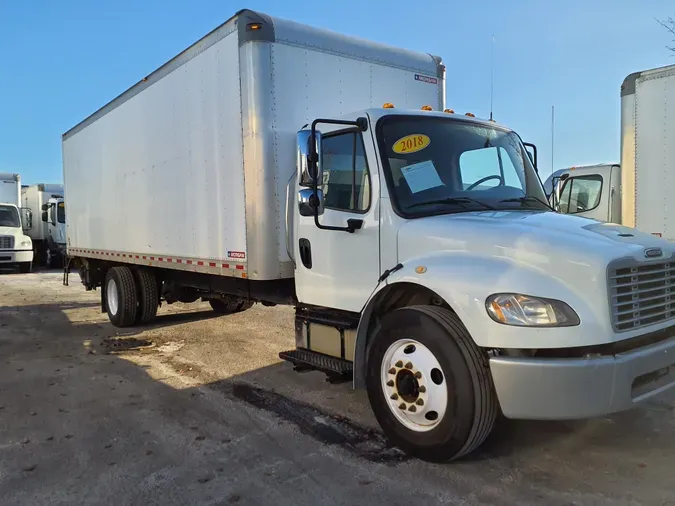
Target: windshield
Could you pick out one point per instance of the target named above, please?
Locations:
(437, 165)
(9, 217)
(61, 212)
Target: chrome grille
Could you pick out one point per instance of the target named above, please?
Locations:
(6, 242)
(642, 294)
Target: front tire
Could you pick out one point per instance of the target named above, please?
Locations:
(429, 385)
(121, 300)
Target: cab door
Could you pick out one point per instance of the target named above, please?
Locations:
(587, 194)
(337, 268)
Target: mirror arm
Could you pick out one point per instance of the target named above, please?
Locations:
(313, 158)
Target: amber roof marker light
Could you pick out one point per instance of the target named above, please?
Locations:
(254, 26)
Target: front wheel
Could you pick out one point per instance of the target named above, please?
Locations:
(429, 385)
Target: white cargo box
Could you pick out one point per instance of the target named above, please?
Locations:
(648, 151)
(188, 168)
(10, 189)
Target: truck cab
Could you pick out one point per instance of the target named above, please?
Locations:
(590, 191)
(445, 246)
(16, 248)
(54, 216)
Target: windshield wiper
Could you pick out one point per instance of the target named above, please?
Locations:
(528, 199)
(460, 201)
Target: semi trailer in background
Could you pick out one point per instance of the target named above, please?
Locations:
(638, 191)
(276, 163)
(16, 248)
(47, 227)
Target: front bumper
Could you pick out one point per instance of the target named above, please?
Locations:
(559, 389)
(15, 256)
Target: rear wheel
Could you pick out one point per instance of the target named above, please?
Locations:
(148, 296)
(120, 295)
(429, 385)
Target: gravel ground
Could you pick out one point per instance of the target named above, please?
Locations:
(198, 409)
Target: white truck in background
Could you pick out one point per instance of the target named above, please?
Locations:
(277, 163)
(48, 232)
(16, 248)
(637, 192)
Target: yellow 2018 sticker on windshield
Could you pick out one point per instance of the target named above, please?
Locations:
(411, 144)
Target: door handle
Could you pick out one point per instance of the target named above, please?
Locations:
(305, 248)
(354, 224)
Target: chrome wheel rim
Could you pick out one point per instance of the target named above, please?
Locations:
(111, 296)
(414, 385)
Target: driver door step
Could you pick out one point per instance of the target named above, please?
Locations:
(305, 359)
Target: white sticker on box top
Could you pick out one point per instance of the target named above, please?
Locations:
(421, 176)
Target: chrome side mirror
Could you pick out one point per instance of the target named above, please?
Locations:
(27, 218)
(309, 160)
(307, 201)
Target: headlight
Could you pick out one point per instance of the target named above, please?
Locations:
(526, 311)
(26, 244)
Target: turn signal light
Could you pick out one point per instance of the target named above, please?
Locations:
(388, 105)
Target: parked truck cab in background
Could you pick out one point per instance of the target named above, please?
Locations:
(48, 226)
(591, 191)
(16, 248)
(312, 169)
(54, 217)
(638, 191)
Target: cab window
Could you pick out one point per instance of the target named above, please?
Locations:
(488, 167)
(580, 194)
(346, 181)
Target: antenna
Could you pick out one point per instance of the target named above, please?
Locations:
(492, 75)
(552, 134)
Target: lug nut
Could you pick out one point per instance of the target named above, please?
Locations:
(419, 402)
(392, 371)
(402, 406)
(390, 383)
(412, 409)
(394, 397)
(399, 364)
(418, 375)
(408, 365)
(422, 389)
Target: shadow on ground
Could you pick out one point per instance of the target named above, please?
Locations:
(81, 425)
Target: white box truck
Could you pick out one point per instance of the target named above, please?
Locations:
(638, 191)
(16, 248)
(48, 229)
(276, 163)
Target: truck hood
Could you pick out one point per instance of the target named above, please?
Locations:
(15, 231)
(540, 239)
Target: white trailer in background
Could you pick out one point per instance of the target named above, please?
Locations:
(47, 227)
(276, 163)
(15, 247)
(639, 191)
